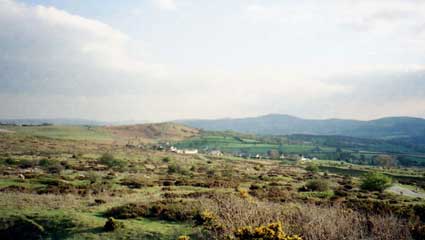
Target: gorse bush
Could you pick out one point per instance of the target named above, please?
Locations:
(210, 221)
(183, 238)
(223, 213)
(273, 231)
(375, 182)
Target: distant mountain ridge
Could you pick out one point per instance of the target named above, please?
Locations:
(409, 128)
(281, 124)
(66, 121)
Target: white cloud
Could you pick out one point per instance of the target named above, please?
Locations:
(385, 17)
(44, 49)
(167, 5)
(74, 66)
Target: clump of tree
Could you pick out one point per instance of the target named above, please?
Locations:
(375, 182)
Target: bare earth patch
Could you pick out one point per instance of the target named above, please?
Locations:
(6, 131)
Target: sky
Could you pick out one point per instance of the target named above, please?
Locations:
(160, 60)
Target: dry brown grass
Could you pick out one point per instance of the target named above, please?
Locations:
(388, 228)
(332, 223)
(312, 222)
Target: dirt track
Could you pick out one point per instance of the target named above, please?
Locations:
(406, 192)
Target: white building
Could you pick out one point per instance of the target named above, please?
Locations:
(190, 151)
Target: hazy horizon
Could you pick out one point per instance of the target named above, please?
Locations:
(142, 121)
(163, 60)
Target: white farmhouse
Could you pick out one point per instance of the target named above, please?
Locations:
(190, 151)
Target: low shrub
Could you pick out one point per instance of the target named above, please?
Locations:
(110, 161)
(10, 161)
(56, 168)
(136, 182)
(417, 230)
(164, 210)
(99, 201)
(312, 168)
(317, 185)
(274, 194)
(273, 231)
(173, 168)
(173, 211)
(254, 186)
(375, 182)
(225, 213)
(25, 163)
(55, 225)
(335, 223)
(131, 210)
(388, 227)
(183, 238)
(321, 194)
(111, 225)
(46, 162)
(19, 227)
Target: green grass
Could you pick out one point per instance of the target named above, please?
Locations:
(234, 144)
(19, 183)
(65, 132)
(65, 224)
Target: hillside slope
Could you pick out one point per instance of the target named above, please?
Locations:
(275, 124)
(147, 133)
(140, 133)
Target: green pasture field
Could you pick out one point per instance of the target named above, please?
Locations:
(89, 133)
(250, 146)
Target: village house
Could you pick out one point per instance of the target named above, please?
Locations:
(183, 151)
(190, 151)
